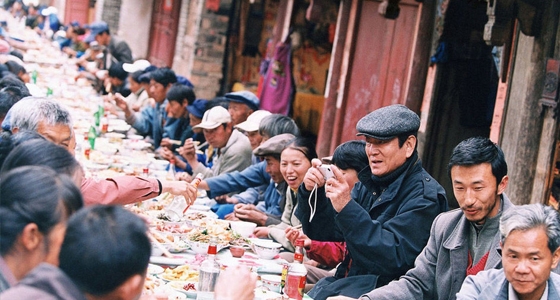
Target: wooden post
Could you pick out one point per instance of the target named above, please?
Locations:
(332, 91)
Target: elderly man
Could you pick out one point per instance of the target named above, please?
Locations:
(463, 241)
(241, 105)
(385, 218)
(53, 121)
(232, 148)
(118, 231)
(530, 250)
(153, 120)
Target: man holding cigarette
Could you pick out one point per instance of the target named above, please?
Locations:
(385, 218)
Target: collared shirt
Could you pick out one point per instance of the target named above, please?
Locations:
(513, 296)
(7, 277)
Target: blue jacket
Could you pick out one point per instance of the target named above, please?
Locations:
(384, 228)
(253, 176)
(149, 121)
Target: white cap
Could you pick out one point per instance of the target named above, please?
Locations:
(214, 117)
(139, 65)
(253, 121)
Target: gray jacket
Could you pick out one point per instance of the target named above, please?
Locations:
(492, 285)
(45, 282)
(440, 269)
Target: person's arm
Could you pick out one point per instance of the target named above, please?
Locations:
(420, 281)
(321, 227)
(252, 176)
(329, 254)
(388, 244)
(130, 189)
(142, 121)
(473, 285)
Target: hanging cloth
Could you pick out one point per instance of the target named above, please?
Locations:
(278, 85)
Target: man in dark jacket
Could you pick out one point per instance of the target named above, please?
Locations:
(385, 218)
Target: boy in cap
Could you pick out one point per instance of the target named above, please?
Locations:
(232, 150)
(241, 105)
(385, 219)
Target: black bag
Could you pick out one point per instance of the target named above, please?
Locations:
(353, 286)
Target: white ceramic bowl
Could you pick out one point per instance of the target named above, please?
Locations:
(266, 249)
(271, 282)
(199, 248)
(245, 229)
(160, 164)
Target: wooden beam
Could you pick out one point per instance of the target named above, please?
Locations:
(325, 135)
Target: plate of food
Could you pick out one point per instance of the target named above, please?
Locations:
(189, 288)
(154, 269)
(181, 273)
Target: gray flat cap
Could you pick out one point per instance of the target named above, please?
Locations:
(274, 145)
(388, 122)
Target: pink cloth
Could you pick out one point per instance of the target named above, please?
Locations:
(278, 84)
(329, 254)
(7, 273)
(119, 190)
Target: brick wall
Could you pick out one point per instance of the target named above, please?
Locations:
(200, 53)
(111, 14)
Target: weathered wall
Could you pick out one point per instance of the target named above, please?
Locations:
(201, 46)
(134, 25)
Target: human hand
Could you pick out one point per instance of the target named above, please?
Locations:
(188, 151)
(293, 234)
(182, 188)
(184, 176)
(314, 175)
(120, 101)
(248, 212)
(338, 190)
(229, 287)
(261, 232)
(166, 153)
(231, 217)
(165, 143)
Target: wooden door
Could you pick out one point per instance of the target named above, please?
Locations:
(76, 10)
(381, 63)
(163, 33)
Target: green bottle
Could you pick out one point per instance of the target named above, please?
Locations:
(34, 76)
(92, 134)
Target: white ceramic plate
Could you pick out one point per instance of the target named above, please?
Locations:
(168, 261)
(154, 269)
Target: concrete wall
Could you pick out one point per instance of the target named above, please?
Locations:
(134, 25)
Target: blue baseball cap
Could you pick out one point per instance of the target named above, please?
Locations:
(95, 28)
(198, 108)
(244, 97)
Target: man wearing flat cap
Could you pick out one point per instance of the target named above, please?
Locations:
(385, 218)
(241, 105)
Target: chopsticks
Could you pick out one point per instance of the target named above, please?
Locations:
(159, 245)
(175, 142)
(196, 181)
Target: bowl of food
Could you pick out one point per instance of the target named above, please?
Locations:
(237, 251)
(245, 229)
(266, 249)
